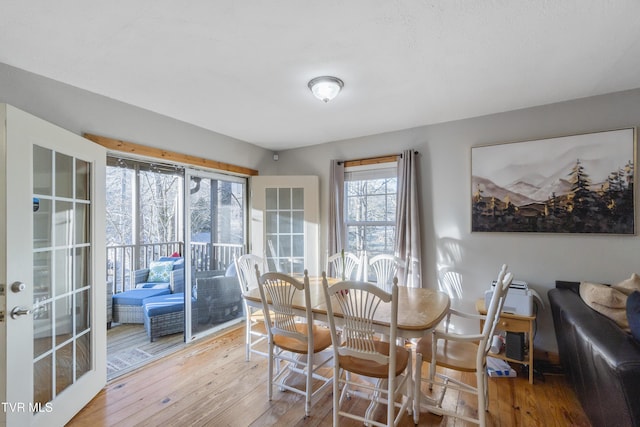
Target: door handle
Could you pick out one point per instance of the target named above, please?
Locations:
(20, 311)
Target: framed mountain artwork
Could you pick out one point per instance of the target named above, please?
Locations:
(571, 184)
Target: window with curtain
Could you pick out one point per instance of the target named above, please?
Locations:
(370, 208)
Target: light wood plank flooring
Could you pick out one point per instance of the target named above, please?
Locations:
(209, 384)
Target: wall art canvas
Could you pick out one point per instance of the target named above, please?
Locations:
(571, 184)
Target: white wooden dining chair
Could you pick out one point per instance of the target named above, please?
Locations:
(465, 353)
(342, 266)
(294, 344)
(354, 305)
(385, 268)
(255, 330)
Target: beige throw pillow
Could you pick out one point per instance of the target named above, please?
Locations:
(629, 285)
(607, 301)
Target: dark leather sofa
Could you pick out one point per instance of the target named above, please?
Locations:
(601, 360)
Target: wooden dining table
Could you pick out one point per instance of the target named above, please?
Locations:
(419, 310)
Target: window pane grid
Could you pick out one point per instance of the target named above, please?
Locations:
(61, 271)
(370, 212)
(285, 229)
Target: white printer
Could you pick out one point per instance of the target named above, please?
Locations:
(519, 298)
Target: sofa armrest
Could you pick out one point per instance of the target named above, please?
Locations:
(602, 360)
(176, 281)
(572, 286)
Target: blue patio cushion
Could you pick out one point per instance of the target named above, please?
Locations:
(163, 304)
(136, 296)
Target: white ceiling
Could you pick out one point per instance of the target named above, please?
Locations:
(241, 68)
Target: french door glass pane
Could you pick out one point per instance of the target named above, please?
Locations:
(82, 223)
(62, 276)
(63, 369)
(82, 318)
(82, 180)
(42, 369)
(42, 222)
(297, 198)
(83, 355)
(64, 175)
(61, 272)
(63, 223)
(44, 330)
(82, 267)
(271, 201)
(42, 167)
(285, 229)
(41, 276)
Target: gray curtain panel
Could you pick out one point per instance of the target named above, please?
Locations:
(337, 229)
(408, 244)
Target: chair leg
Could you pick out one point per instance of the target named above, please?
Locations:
(287, 365)
(247, 336)
(309, 389)
(486, 389)
(417, 381)
(375, 399)
(391, 398)
(345, 388)
(336, 394)
(482, 399)
(270, 369)
(408, 387)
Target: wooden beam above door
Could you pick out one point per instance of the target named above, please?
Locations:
(170, 156)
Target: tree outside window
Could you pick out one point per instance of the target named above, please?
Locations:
(370, 204)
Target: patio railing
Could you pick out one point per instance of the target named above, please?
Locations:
(122, 260)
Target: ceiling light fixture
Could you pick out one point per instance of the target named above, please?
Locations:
(326, 88)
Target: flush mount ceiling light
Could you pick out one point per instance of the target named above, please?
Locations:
(326, 88)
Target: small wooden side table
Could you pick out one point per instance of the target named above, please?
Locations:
(513, 323)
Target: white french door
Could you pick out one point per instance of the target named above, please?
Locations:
(52, 262)
(285, 222)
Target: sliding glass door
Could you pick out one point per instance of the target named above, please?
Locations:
(216, 220)
(159, 210)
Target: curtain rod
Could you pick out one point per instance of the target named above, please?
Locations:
(389, 158)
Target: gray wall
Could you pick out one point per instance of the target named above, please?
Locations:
(444, 172)
(474, 258)
(80, 111)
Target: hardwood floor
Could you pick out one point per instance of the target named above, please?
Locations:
(209, 384)
(129, 347)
